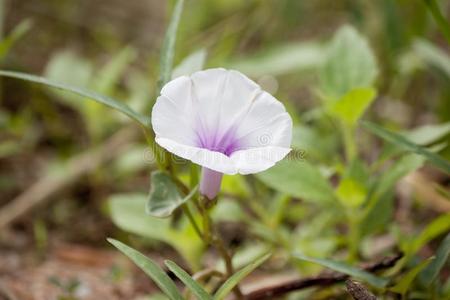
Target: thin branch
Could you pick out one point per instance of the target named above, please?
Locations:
(271, 292)
(358, 291)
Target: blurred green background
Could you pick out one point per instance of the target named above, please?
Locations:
(79, 153)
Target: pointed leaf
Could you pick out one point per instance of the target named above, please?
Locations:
(168, 48)
(197, 289)
(110, 102)
(349, 64)
(164, 196)
(151, 269)
(346, 269)
(401, 141)
(238, 276)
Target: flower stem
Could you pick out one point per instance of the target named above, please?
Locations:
(191, 219)
(213, 239)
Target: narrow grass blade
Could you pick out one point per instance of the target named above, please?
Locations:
(151, 269)
(400, 141)
(110, 102)
(346, 269)
(168, 48)
(238, 276)
(198, 291)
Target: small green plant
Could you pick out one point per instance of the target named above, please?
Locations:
(346, 198)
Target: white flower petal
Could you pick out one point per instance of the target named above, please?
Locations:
(223, 121)
(257, 159)
(210, 159)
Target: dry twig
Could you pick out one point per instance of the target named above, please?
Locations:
(273, 291)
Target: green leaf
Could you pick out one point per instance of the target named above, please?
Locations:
(238, 276)
(401, 141)
(13, 37)
(349, 64)
(280, 60)
(151, 269)
(352, 105)
(168, 48)
(351, 193)
(299, 179)
(164, 196)
(127, 212)
(429, 274)
(193, 63)
(352, 189)
(110, 102)
(198, 291)
(405, 282)
(346, 269)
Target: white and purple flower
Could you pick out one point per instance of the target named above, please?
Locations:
(222, 121)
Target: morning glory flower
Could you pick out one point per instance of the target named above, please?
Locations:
(222, 121)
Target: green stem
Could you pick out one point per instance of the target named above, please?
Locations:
(439, 18)
(191, 219)
(349, 142)
(213, 239)
(353, 236)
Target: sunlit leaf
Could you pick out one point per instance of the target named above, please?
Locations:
(352, 189)
(429, 274)
(164, 196)
(168, 48)
(196, 288)
(108, 101)
(299, 179)
(349, 64)
(346, 269)
(405, 282)
(151, 269)
(352, 105)
(193, 63)
(401, 141)
(237, 277)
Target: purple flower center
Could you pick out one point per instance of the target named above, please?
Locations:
(226, 143)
